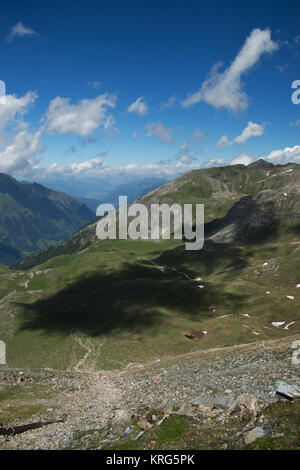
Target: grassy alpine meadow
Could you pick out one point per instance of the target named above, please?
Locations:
(119, 302)
(88, 305)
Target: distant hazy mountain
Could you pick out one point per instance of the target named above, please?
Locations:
(90, 188)
(92, 204)
(33, 217)
(100, 188)
(132, 189)
(242, 204)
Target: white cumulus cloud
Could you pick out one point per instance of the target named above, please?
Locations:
(251, 130)
(20, 153)
(296, 123)
(139, 107)
(15, 107)
(223, 142)
(169, 104)
(286, 155)
(242, 159)
(88, 166)
(185, 155)
(80, 119)
(225, 89)
(20, 31)
(161, 132)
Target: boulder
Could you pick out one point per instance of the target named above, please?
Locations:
(234, 408)
(185, 410)
(204, 402)
(248, 402)
(254, 434)
(144, 424)
(287, 389)
(221, 401)
(121, 421)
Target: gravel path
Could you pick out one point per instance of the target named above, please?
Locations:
(90, 401)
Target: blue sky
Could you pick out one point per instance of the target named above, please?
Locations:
(95, 89)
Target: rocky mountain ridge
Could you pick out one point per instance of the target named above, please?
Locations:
(32, 217)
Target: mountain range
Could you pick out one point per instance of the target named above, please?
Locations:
(133, 190)
(242, 203)
(33, 217)
(99, 304)
(93, 191)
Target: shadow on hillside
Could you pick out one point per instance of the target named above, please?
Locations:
(295, 229)
(212, 259)
(248, 221)
(9, 254)
(128, 300)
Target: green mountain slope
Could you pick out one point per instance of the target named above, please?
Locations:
(105, 304)
(33, 217)
(219, 189)
(121, 302)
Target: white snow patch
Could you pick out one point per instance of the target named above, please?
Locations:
(278, 324)
(204, 332)
(289, 324)
(245, 315)
(24, 284)
(198, 279)
(298, 286)
(291, 297)
(265, 264)
(201, 286)
(224, 316)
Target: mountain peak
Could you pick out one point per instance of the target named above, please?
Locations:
(261, 163)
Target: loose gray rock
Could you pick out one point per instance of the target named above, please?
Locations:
(254, 434)
(234, 407)
(204, 402)
(144, 424)
(248, 402)
(185, 410)
(89, 401)
(221, 401)
(287, 389)
(120, 421)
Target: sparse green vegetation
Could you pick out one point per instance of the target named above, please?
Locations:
(21, 403)
(282, 421)
(104, 304)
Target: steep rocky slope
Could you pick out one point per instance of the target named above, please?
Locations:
(215, 399)
(32, 217)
